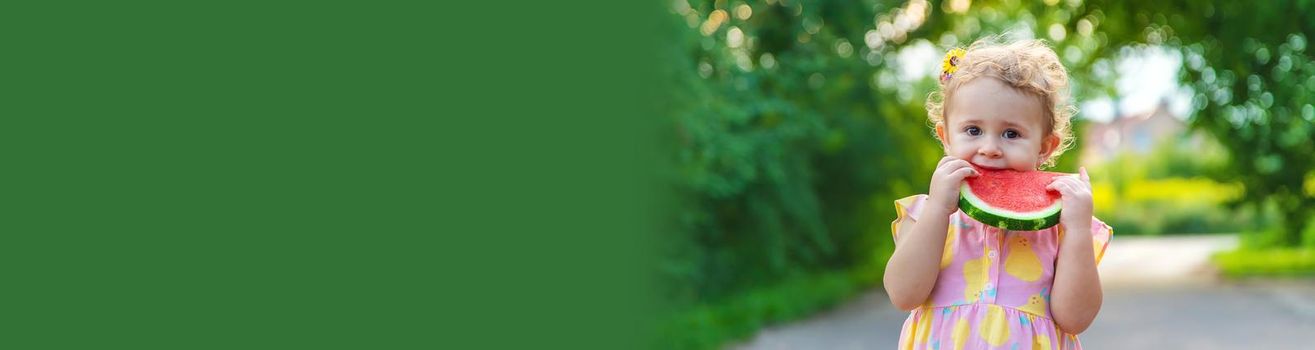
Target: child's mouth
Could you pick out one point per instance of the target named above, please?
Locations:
(987, 167)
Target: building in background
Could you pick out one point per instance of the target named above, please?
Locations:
(1137, 134)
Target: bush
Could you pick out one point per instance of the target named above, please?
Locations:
(710, 326)
(787, 169)
(1262, 254)
(1174, 206)
(1247, 262)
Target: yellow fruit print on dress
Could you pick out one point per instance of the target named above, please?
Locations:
(974, 277)
(1036, 304)
(960, 333)
(948, 253)
(924, 327)
(1022, 262)
(1041, 342)
(994, 328)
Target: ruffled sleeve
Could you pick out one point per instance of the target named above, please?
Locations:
(907, 207)
(1101, 234)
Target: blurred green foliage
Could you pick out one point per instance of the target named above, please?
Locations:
(1269, 262)
(788, 153)
(1164, 192)
(1261, 253)
(710, 325)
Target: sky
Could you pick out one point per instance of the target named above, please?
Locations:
(1145, 76)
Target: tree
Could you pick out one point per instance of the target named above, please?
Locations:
(1253, 78)
(789, 150)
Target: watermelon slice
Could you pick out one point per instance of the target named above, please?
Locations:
(1011, 199)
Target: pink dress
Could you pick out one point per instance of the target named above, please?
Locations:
(993, 291)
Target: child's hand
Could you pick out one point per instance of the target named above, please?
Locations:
(945, 182)
(1075, 193)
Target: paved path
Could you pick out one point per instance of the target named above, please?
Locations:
(1160, 293)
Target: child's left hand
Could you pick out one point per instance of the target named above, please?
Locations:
(1075, 194)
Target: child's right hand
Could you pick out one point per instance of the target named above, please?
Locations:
(944, 193)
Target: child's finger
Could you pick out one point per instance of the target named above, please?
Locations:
(963, 172)
(943, 160)
(1073, 181)
(961, 163)
(1070, 184)
(1064, 188)
(1082, 171)
(1075, 184)
(1076, 188)
(948, 164)
(954, 164)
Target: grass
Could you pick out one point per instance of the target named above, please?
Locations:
(713, 325)
(1267, 262)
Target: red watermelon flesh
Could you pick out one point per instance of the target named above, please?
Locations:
(1011, 199)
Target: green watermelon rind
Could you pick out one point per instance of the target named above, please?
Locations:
(979, 210)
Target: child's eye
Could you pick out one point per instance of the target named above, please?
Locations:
(973, 130)
(1011, 134)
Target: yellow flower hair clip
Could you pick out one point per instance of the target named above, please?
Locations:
(951, 63)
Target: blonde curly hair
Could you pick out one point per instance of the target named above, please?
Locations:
(1029, 66)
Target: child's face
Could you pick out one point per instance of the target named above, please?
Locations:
(994, 126)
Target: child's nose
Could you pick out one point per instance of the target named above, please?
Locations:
(989, 150)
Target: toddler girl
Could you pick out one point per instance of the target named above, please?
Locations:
(973, 286)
